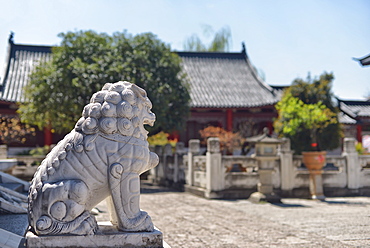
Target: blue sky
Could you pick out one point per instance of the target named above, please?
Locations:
(285, 39)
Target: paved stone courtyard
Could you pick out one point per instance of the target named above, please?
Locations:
(190, 221)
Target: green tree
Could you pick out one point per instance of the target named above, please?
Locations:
(308, 116)
(220, 43)
(86, 60)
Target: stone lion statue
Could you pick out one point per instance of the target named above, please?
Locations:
(102, 157)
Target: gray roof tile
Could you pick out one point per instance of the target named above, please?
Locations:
(355, 108)
(346, 119)
(22, 59)
(225, 80)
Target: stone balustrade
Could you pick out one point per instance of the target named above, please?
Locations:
(214, 175)
(26, 166)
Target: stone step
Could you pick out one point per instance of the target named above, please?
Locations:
(15, 223)
(108, 236)
(6, 178)
(14, 187)
(11, 240)
(12, 202)
(7, 164)
(13, 228)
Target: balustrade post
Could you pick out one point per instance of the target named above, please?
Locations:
(194, 148)
(159, 173)
(353, 164)
(286, 167)
(3, 151)
(180, 147)
(167, 151)
(214, 172)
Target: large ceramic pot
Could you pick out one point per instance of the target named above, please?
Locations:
(314, 160)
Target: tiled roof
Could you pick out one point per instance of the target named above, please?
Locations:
(355, 108)
(217, 80)
(365, 60)
(21, 60)
(225, 80)
(345, 119)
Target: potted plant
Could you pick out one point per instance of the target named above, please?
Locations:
(309, 119)
(298, 120)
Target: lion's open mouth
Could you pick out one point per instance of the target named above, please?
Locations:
(149, 119)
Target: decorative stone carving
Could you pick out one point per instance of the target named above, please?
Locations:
(102, 157)
(167, 150)
(180, 148)
(194, 146)
(213, 145)
(349, 145)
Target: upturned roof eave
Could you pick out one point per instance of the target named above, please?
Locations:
(354, 108)
(5, 72)
(7, 92)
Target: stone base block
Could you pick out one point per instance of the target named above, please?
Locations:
(258, 197)
(108, 236)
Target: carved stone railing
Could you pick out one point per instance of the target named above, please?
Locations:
(364, 161)
(240, 171)
(236, 164)
(29, 161)
(200, 169)
(200, 163)
(172, 165)
(216, 174)
(26, 166)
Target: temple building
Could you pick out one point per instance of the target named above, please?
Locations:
(225, 89)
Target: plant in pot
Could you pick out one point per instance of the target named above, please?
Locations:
(303, 123)
(309, 119)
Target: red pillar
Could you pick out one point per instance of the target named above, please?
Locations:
(270, 127)
(229, 120)
(48, 136)
(359, 133)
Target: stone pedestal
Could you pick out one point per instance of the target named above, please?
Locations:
(315, 162)
(316, 185)
(266, 155)
(265, 186)
(108, 236)
(258, 197)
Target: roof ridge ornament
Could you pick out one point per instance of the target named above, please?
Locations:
(244, 50)
(11, 37)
